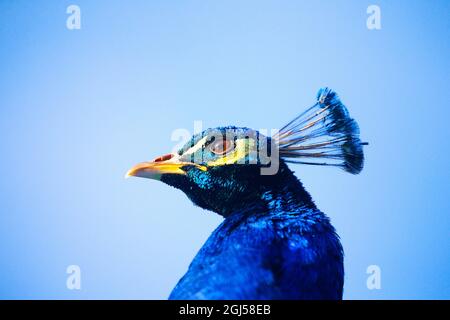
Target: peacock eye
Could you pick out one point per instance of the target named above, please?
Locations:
(221, 146)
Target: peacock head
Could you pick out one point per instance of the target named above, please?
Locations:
(224, 167)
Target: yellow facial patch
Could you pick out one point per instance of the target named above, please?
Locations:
(243, 146)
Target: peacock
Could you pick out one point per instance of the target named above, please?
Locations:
(274, 243)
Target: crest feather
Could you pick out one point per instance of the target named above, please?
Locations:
(323, 135)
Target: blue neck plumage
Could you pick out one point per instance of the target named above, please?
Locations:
(281, 194)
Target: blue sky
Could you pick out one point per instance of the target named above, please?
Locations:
(79, 107)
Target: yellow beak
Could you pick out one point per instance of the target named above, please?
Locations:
(167, 164)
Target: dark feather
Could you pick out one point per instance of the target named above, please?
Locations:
(323, 135)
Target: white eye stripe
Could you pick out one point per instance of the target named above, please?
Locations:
(196, 147)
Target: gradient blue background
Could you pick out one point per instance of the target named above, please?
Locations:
(78, 108)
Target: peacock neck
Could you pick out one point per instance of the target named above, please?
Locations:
(279, 194)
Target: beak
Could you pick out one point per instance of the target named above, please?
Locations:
(166, 164)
